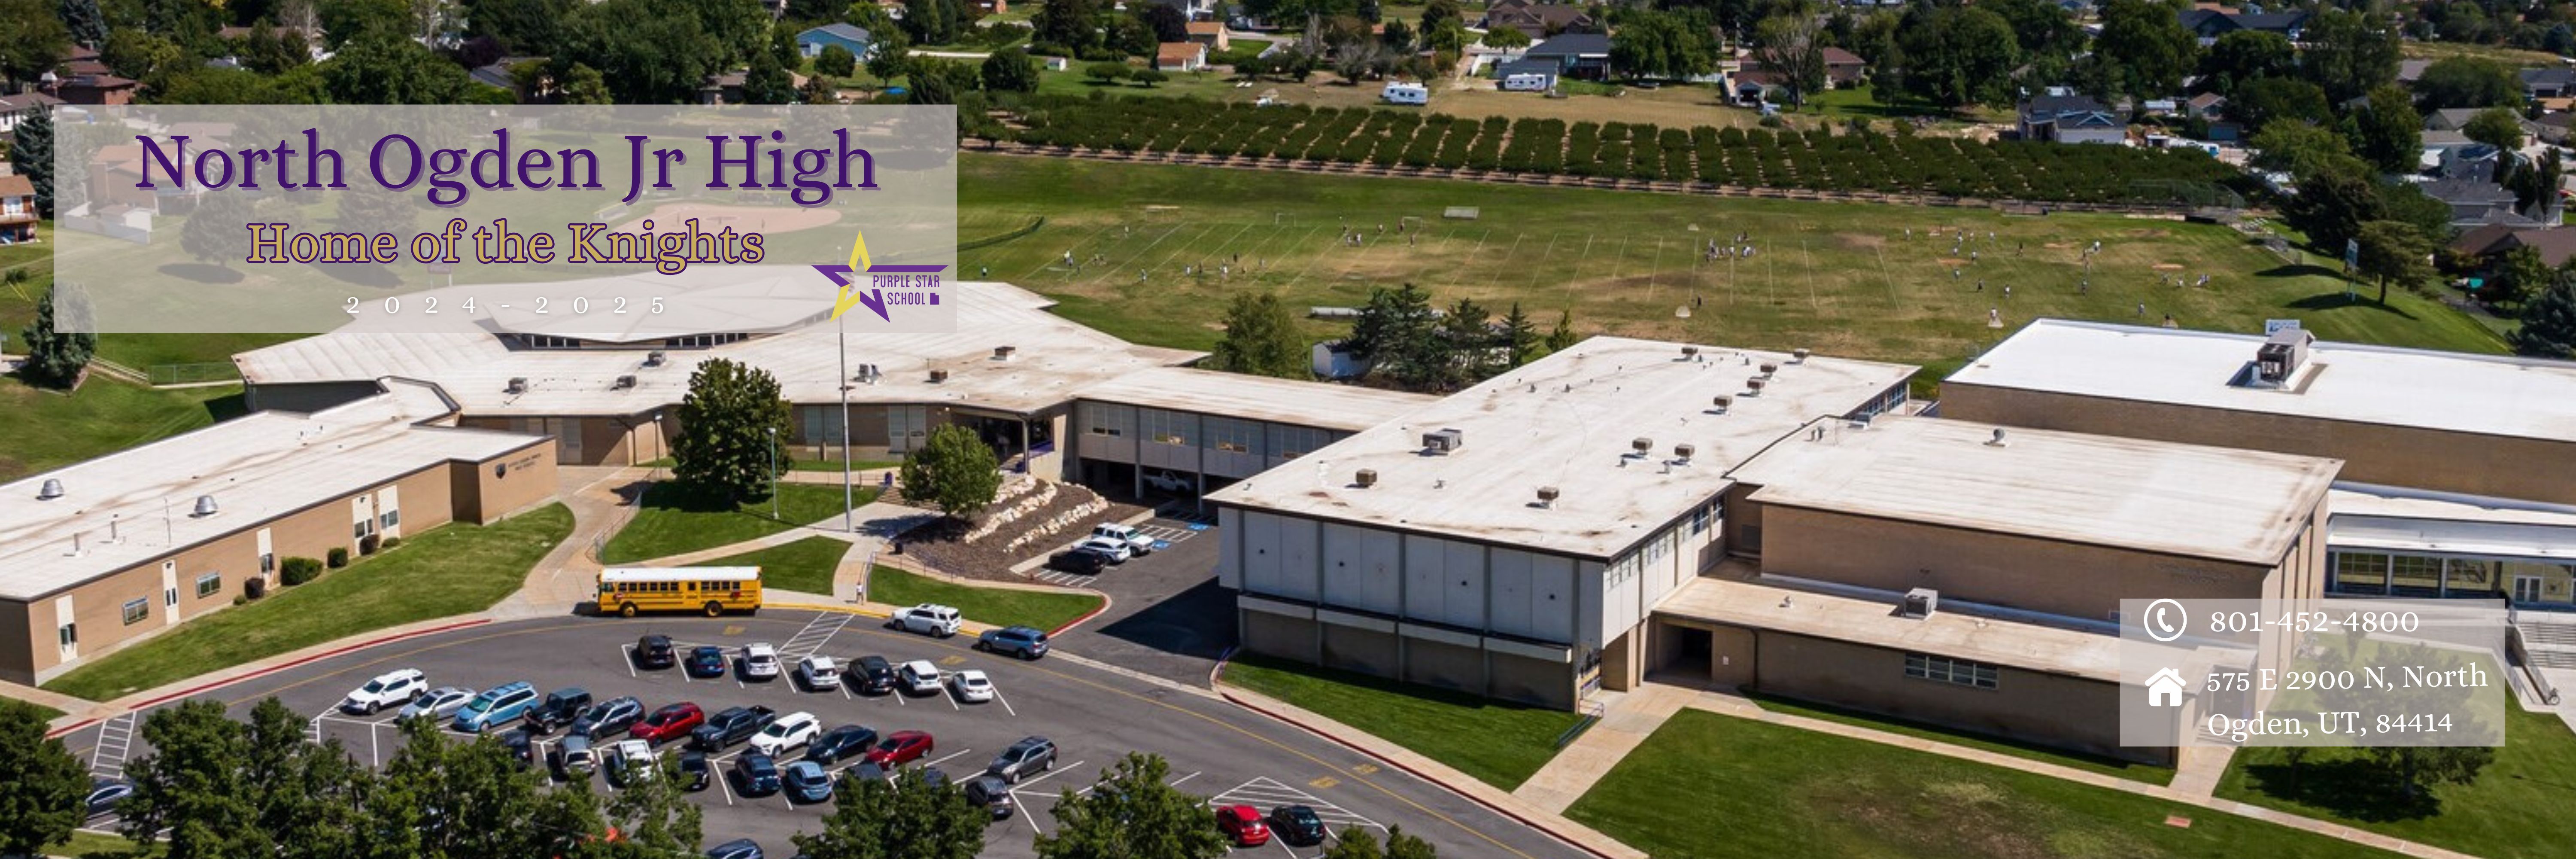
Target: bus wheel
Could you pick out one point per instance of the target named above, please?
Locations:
(626, 609)
(714, 608)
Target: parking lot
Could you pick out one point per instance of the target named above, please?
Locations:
(1166, 615)
(1094, 716)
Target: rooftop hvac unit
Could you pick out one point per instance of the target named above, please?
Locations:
(868, 373)
(1003, 353)
(2280, 356)
(1800, 354)
(1723, 402)
(1446, 440)
(1547, 496)
(1690, 353)
(1770, 368)
(1684, 450)
(1642, 445)
(1366, 478)
(937, 376)
(52, 489)
(622, 383)
(1753, 386)
(654, 358)
(1920, 602)
(518, 385)
(205, 506)
(1998, 440)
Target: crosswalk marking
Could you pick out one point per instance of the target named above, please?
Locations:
(115, 738)
(1266, 793)
(817, 632)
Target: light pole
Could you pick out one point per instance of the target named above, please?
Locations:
(849, 490)
(773, 472)
(662, 448)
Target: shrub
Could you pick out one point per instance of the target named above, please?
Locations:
(337, 558)
(367, 544)
(296, 571)
(391, 542)
(240, 600)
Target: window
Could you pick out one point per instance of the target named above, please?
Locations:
(1166, 427)
(390, 519)
(170, 596)
(1106, 420)
(1922, 666)
(70, 635)
(363, 527)
(267, 562)
(1231, 435)
(137, 610)
(208, 584)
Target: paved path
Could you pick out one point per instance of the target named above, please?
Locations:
(1629, 718)
(601, 500)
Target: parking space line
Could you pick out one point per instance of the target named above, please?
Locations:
(944, 759)
(1006, 702)
(723, 780)
(630, 657)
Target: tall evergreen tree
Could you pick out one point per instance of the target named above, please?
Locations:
(767, 82)
(1562, 337)
(2549, 322)
(87, 25)
(41, 792)
(1522, 336)
(54, 357)
(31, 153)
(728, 421)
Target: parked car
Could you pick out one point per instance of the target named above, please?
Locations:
(899, 748)
(1028, 756)
(873, 674)
(1025, 642)
(1137, 543)
(971, 686)
(759, 662)
(739, 848)
(991, 794)
(1117, 551)
(1242, 825)
(521, 745)
(755, 774)
(392, 688)
(789, 731)
(104, 793)
(560, 708)
(695, 774)
(1080, 562)
(730, 726)
(1298, 825)
(863, 770)
(439, 703)
(818, 673)
(631, 761)
(497, 706)
(807, 782)
(919, 677)
(846, 741)
(927, 619)
(672, 722)
(655, 652)
(609, 718)
(571, 758)
(707, 661)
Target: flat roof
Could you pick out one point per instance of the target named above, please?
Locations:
(2457, 392)
(2180, 499)
(2027, 646)
(1567, 421)
(1054, 357)
(1288, 401)
(2399, 520)
(129, 507)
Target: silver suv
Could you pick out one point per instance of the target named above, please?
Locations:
(1031, 755)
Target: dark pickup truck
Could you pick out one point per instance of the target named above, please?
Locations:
(733, 725)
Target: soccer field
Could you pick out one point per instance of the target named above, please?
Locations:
(1156, 251)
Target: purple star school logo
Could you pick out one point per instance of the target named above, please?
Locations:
(847, 278)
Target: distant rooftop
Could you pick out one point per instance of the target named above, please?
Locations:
(1289, 401)
(2450, 391)
(2027, 646)
(134, 505)
(2178, 499)
(1568, 421)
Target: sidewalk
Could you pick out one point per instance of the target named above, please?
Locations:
(88, 713)
(1631, 717)
(566, 576)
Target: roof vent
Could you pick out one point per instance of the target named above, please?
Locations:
(1642, 444)
(1753, 386)
(1800, 354)
(937, 376)
(622, 383)
(1682, 452)
(205, 506)
(1723, 402)
(1920, 603)
(1446, 440)
(518, 385)
(1770, 367)
(868, 373)
(654, 358)
(1690, 353)
(1998, 440)
(52, 489)
(1003, 353)
(1366, 478)
(1547, 496)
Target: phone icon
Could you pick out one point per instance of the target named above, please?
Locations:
(2165, 620)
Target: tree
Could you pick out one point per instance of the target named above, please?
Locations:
(1469, 331)
(1402, 846)
(728, 422)
(1440, 12)
(142, 56)
(2349, 53)
(1067, 23)
(2041, 28)
(2387, 131)
(2247, 55)
(817, 90)
(1168, 22)
(524, 27)
(2549, 323)
(2262, 101)
(890, 56)
(1131, 37)
(214, 230)
(346, 21)
(366, 207)
(2145, 46)
(1106, 72)
(1521, 337)
(386, 68)
(2394, 250)
(1354, 842)
(31, 153)
(653, 814)
(901, 818)
(87, 26)
(270, 51)
(439, 797)
(1661, 44)
(1010, 70)
(42, 792)
(54, 357)
(1261, 339)
(2300, 148)
(930, 22)
(2462, 81)
(931, 83)
(2497, 127)
(1792, 47)
(954, 471)
(1396, 36)
(1149, 77)
(1956, 55)
(1562, 337)
(836, 61)
(2520, 275)
(1394, 332)
(34, 41)
(1133, 813)
(767, 82)
(1505, 38)
(192, 785)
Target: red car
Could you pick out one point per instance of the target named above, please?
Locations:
(1242, 824)
(900, 747)
(672, 722)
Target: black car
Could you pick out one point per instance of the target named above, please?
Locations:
(608, 718)
(739, 848)
(1297, 825)
(733, 725)
(755, 774)
(1080, 562)
(559, 709)
(846, 741)
(852, 775)
(695, 774)
(708, 661)
(104, 793)
(655, 651)
(872, 675)
(522, 745)
(991, 794)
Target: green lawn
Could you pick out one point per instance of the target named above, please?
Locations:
(1712, 785)
(996, 606)
(2491, 817)
(2029, 751)
(1497, 742)
(832, 464)
(43, 713)
(43, 429)
(804, 566)
(91, 845)
(446, 571)
(673, 522)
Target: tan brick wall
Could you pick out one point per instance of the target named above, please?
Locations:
(495, 488)
(2057, 710)
(2039, 575)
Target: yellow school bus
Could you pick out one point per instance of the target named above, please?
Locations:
(708, 590)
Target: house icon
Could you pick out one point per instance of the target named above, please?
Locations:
(2164, 688)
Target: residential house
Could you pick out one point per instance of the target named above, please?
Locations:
(1576, 55)
(14, 108)
(2209, 24)
(1212, 34)
(2068, 118)
(2476, 161)
(1195, 10)
(727, 88)
(2555, 245)
(2208, 105)
(1180, 56)
(2457, 119)
(100, 89)
(2553, 127)
(2555, 82)
(1844, 69)
(17, 209)
(2476, 202)
(852, 39)
(2410, 71)
(1539, 20)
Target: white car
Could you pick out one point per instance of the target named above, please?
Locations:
(393, 688)
(971, 686)
(1117, 551)
(438, 703)
(918, 677)
(1136, 540)
(817, 673)
(759, 662)
(927, 619)
(790, 731)
(633, 760)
